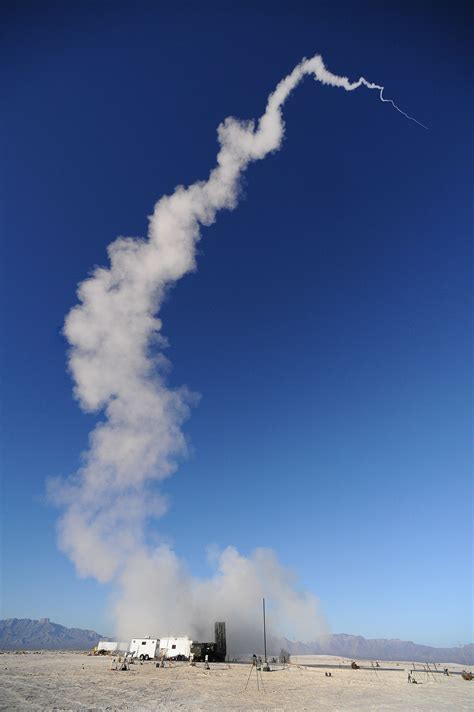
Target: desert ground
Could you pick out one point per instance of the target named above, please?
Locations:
(75, 681)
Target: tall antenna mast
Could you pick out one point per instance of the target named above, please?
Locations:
(264, 633)
(265, 667)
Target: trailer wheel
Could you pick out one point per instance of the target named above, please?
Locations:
(147, 657)
(142, 657)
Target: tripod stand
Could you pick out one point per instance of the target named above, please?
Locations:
(258, 676)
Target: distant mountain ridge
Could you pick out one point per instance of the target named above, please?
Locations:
(357, 647)
(28, 634)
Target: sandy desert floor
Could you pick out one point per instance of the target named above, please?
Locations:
(74, 681)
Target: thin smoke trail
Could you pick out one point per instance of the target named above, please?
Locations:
(390, 101)
(118, 368)
(381, 89)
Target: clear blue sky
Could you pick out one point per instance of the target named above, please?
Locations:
(327, 329)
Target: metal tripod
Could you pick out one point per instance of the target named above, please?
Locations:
(258, 676)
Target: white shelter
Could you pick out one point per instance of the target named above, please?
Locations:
(111, 646)
(143, 648)
(171, 647)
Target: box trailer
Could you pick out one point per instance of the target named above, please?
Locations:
(175, 647)
(144, 648)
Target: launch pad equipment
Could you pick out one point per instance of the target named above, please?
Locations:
(182, 648)
(216, 651)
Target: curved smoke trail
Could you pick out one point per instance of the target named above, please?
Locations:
(115, 361)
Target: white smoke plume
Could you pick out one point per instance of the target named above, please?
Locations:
(181, 604)
(115, 360)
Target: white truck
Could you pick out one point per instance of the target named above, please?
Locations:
(143, 648)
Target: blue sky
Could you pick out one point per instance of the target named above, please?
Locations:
(327, 327)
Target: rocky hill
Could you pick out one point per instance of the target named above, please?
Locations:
(27, 634)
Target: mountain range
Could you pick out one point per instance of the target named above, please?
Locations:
(357, 647)
(28, 634)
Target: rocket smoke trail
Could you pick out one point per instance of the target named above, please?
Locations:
(114, 335)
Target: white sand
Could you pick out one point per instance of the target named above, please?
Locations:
(74, 681)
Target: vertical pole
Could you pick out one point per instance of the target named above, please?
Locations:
(264, 633)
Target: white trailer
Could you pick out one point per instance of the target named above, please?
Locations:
(110, 646)
(143, 648)
(174, 647)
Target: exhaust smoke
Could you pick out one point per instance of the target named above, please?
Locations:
(118, 368)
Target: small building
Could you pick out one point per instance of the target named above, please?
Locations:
(109, 646)
(143, 648)
(175, 647)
